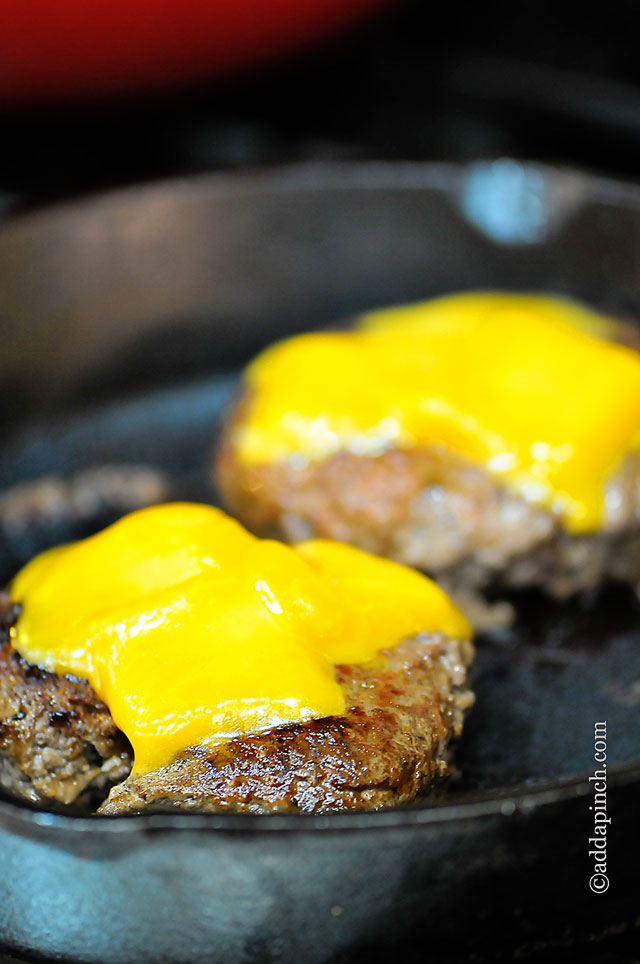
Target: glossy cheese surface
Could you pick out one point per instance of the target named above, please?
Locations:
(526, 385)
(193, 631)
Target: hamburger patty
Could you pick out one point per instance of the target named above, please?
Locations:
(429, 508)
(391, 745)
(59, 743)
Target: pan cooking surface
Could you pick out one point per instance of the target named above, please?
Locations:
(540, 686)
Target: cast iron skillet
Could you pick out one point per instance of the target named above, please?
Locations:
(124, 317)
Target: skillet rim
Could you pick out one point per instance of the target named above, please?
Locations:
(323, 176)
(520, 800)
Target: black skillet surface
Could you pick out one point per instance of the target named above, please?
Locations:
(503, 864)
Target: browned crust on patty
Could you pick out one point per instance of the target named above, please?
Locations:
(58, 742)
(427, 507)
(391, 745)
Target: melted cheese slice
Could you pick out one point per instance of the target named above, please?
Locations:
(193, 631)
(525, 385)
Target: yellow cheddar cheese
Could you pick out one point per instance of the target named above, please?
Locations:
(194, 631)
(525, 385)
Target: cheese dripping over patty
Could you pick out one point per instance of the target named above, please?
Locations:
(526, 385)
(193, 631)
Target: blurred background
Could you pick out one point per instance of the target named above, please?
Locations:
(99, 94)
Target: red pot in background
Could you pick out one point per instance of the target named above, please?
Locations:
(69, 49)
